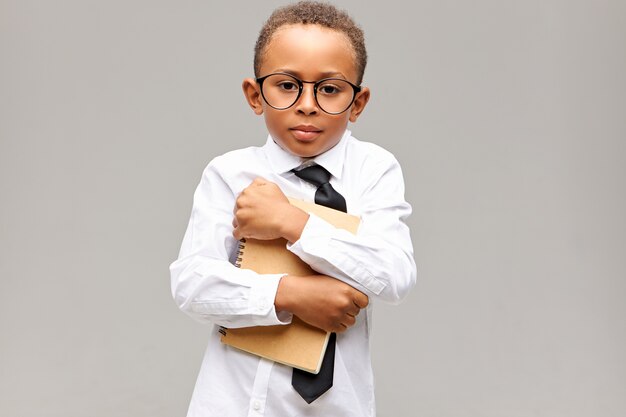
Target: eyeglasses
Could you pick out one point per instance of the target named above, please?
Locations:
(333, 95)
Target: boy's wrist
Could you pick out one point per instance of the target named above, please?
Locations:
(282, 301)
(295, 220)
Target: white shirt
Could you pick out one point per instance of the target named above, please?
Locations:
(206, 285)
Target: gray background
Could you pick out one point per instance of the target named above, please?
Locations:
(508, 118)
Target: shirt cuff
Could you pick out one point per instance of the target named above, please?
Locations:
(261, 301)
(314, 228)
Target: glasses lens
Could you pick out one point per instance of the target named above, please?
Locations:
(280, 90)
(334, 95)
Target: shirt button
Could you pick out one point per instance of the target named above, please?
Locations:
(256, 405)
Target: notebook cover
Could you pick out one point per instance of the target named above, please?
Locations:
(298, 344)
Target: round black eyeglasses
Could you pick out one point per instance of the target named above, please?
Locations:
(333, 95)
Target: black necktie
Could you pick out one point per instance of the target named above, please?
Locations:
(325, 195)
(311, 386)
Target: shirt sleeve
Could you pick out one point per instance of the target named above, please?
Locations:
(205, 284)
(378, 260)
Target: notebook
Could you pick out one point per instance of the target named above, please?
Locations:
(298, 344)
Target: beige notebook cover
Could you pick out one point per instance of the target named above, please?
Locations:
(298, 344)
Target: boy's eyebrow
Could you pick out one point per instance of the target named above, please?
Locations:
(327, 74)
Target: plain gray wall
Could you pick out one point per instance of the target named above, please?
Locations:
(509, 119)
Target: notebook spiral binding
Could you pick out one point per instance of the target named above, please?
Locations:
(240, 249)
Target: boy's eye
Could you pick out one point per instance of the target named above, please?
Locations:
(329, 89)
(288, 86)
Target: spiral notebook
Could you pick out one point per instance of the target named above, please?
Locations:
(298, 344)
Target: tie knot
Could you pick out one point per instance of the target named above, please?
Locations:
(325, 194)
(315, 174)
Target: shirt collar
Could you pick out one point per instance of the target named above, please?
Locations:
(282, 161)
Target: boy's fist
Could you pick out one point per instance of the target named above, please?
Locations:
(263, 212)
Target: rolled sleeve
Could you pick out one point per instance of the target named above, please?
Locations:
(247, 300)
(205, 284)
(322, 245)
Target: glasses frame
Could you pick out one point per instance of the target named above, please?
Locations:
(356, 89)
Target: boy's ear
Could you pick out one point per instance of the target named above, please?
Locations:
(359, 104)
(253, 95)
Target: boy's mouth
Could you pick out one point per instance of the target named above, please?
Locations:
(305, 132)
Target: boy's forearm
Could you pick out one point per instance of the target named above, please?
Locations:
(320, 300)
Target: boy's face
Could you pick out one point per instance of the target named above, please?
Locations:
(310, 53)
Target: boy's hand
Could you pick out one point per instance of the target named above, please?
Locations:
(263, 212)
(321, 301)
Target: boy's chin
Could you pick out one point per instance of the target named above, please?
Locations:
(305, 153)
(306, 149)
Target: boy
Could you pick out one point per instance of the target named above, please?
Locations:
(309, 63)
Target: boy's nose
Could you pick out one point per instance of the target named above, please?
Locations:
(306, 103)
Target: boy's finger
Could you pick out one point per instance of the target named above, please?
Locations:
(340, 328)
(361, 300)
(348, 321)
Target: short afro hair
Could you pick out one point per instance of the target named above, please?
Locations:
(314, 13)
